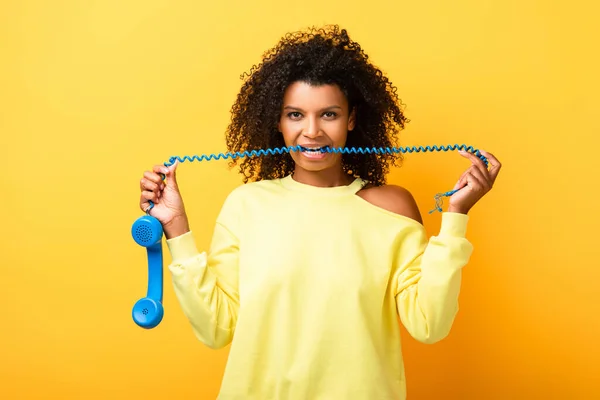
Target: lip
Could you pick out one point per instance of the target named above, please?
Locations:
(313, 146)
(313, 155)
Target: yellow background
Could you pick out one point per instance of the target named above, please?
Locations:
(92, 93)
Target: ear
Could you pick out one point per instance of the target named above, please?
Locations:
(352, 119)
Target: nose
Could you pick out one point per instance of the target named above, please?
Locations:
(311, 130)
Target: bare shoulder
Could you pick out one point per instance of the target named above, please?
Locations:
(392, 198)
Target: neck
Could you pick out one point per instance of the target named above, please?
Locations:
(327, 178)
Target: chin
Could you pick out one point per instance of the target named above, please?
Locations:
(316, 165)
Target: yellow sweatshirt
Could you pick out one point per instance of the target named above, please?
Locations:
(307, 285)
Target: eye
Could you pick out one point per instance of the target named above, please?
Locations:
(294, 115)
(329, 114)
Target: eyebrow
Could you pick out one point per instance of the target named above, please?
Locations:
(299, 109)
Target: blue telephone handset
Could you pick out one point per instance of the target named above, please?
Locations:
(148, 311)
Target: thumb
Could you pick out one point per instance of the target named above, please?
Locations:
(172, 175)
(460, 183)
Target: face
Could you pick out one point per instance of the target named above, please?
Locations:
(314, 117)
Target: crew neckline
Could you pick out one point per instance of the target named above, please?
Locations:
(288, 182)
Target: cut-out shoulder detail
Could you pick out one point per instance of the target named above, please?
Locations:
(392, 198)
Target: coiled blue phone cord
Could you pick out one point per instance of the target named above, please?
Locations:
(339, 150)
(147, 231)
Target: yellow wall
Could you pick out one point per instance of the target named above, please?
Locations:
(92, 93)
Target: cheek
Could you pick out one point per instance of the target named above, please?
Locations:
(339, 134)
(287, 137)
(289, 132)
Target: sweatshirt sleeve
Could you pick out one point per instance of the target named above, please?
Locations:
(428, 278)
(206, 284)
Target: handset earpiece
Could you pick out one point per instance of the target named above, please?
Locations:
(148, 311)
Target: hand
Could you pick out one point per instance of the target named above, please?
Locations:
(168, 203)
(474, 183)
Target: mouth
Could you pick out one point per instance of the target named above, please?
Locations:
(314, 149)
(314, 152)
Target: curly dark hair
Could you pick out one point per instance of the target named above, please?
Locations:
(317, 56)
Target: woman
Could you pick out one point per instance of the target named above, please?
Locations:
(313, 262)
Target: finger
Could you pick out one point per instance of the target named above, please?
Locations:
(153, 177)
(144, 203)
(147, 184)
(147, 195)
(483, 179)
(160, 169)
(462, 181)
(476, 161)
(495, 165)
(475, 182)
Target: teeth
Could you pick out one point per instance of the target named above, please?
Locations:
(314, 149)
